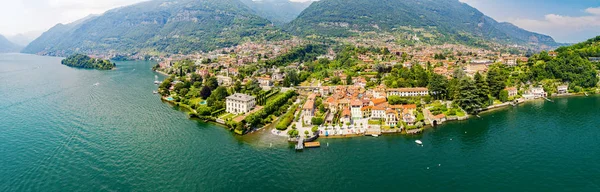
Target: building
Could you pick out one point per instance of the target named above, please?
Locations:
(563, 89)
(536, 92)
(512, 91)
(224, 81)
(308, 111)
(240, 103)
(356, 106)
(391, 118)
(408, 92)
(265, 81)
(378, 112)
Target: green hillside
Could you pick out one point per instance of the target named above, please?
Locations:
(158, 26)
(457, 21)
(277, 11)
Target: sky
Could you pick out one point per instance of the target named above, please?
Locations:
(565, 20)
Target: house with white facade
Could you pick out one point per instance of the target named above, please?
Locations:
(408, 92)
(563, 89)
(378, 112)
(240, 103)
(308, 111)
(355, 108)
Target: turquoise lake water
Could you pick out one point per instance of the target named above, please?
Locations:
(60, 132)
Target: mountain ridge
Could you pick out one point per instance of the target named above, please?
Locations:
(158, 26)
(7, 46)
(338, 18)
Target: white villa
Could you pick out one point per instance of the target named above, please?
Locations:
(408, 92)
(240, 103)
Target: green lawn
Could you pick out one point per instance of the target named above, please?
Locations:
(374, 122)
(460, 113)
(196, 100)
(227, 116)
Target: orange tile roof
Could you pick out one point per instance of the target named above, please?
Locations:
(356, 102)
(378, 101)
(411, 106)
(309, 104)
(346, 112)
(366, 108)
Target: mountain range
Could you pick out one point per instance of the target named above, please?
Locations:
(457, 20)
(7, 46)
(188, 26)
(159, 26)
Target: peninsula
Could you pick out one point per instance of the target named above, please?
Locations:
(84, 61)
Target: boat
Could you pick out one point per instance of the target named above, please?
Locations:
(156, 81)
(419, 142)
(96, 84)
(155, 92)
(375, 135)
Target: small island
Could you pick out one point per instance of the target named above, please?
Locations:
(84, 61)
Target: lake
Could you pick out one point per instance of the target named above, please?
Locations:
(61, 132)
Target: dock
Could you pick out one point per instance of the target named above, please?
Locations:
(300, 145)
(312, 144)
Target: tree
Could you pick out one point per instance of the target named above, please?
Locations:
(205, 92)
(196, 78)
(316, 121)
(306, 132)
(315, 129)
(397, 100)
(503, 96)
(496, 81)
(212, 83)
(421, 76)
(481, 89)
(219, 94)
(183, 92)
(438, 86)
(348, 80)
(336, 80)
(468, 99)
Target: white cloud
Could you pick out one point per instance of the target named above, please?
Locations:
(19, 16)
(562, 26)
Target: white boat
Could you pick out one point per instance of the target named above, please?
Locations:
(419, 142)
(155, 92)
(375, 135)
(96, 84)
(157, 82)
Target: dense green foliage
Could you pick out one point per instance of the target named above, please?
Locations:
(457, 21)
(305, 53)
(589, 48)
(83, 61)
(571, 65)
(277, 11)
(158, 26)
(287, 119)
(272, 105)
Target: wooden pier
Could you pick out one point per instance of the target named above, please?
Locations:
(312, 144)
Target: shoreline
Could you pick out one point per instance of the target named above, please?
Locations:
(493, 109)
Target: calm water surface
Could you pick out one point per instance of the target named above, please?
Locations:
(59, 132)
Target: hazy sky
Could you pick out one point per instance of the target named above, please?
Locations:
(565, 20)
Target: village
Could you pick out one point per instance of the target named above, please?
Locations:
(360, 99)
